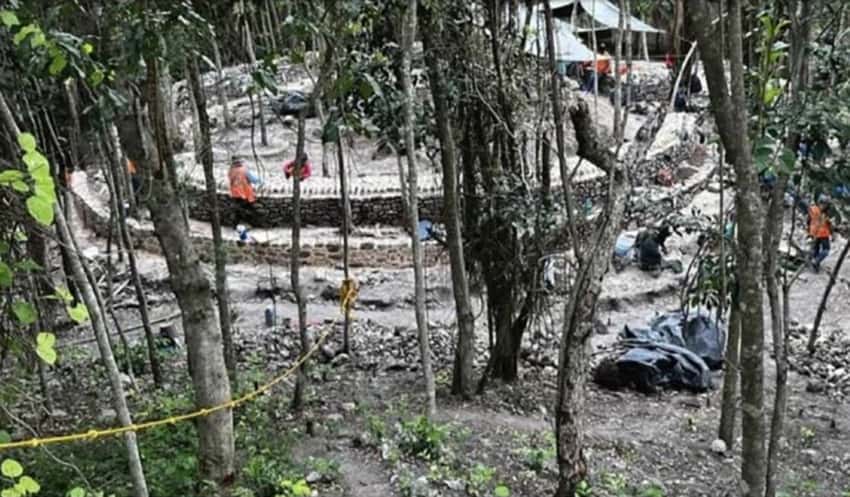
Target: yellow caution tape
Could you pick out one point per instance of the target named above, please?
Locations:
(200, 413)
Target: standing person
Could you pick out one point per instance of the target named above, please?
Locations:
(242, 182)
(135, 181)
(820, 229)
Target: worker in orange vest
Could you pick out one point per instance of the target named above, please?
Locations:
(820, 229)
(242, 182)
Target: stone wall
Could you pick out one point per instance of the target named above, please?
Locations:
(274, 211)
(396, 255)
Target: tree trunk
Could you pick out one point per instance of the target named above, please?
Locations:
(222, 294)
(730, 113)
(462, 377)
(98, 323)
(192, 289)
(150, 340)
(833, 277)
(346, 230)
(295, 267)
(773, 233)
(731, 370)
(252, 56)
(408, 35)
(222, 94)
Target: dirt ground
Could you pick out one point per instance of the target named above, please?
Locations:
(636, 442)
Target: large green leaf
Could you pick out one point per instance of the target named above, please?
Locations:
(10, 175)
(76, 492)
(11, 468)
(501, 491)
(10, 492)
(6, 275)
(45, 347)
(37, 163)
(41, 210)
(9, 18)
(25, 312)
(26, 141)
(79, 313)
(29, 485)
(57, 65)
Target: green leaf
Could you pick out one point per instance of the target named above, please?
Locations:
(11, 468)
(79, 313)
(87, 48)
(5, 437)
(27, 265)
(20, 186)
(6, 275)
(23, 33)
(26, 141)
(76, 492)
(38, 39)
(10, 492)
(9, 18)
(41, 210)
(57, 65)
(29, 485)
(10, 175)
(46, 339)
(64, 294)
(501, 491)
(47, 354)
(36, 163)
(25, 312)
(45, 190)
(96, 78)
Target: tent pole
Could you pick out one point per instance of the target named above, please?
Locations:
(645, 46)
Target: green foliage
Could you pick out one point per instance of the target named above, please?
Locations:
(422, 438)
(501, 491)
(584, 489)
(21, 484)
(651, 491)
(615, 483)
(479, 479)
(45, 347)
(294, 488)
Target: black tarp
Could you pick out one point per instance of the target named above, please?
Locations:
(700, 335)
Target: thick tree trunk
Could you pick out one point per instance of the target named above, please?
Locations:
(730, 113)
(222, 294)
(462, 377)
(295, 267)
(346, 230)
(408, 35)
(192, 289)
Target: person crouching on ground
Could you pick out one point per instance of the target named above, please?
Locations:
(242, 183)
(650, 245)
(306, 168)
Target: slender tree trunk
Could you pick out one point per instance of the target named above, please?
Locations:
(222, 294)
(730, 113)
(833, 277)
(408, 35)
(346, 230)
(731, 371)
(196, 130)
(222, 94)
(137, 475)
(141, 297)
(462, 377)
(252, 56)
(295, 267)
(192, 289)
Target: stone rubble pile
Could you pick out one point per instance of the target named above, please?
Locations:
(828, 369)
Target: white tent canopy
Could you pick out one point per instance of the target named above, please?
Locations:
(568, 48)
(604, 14)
